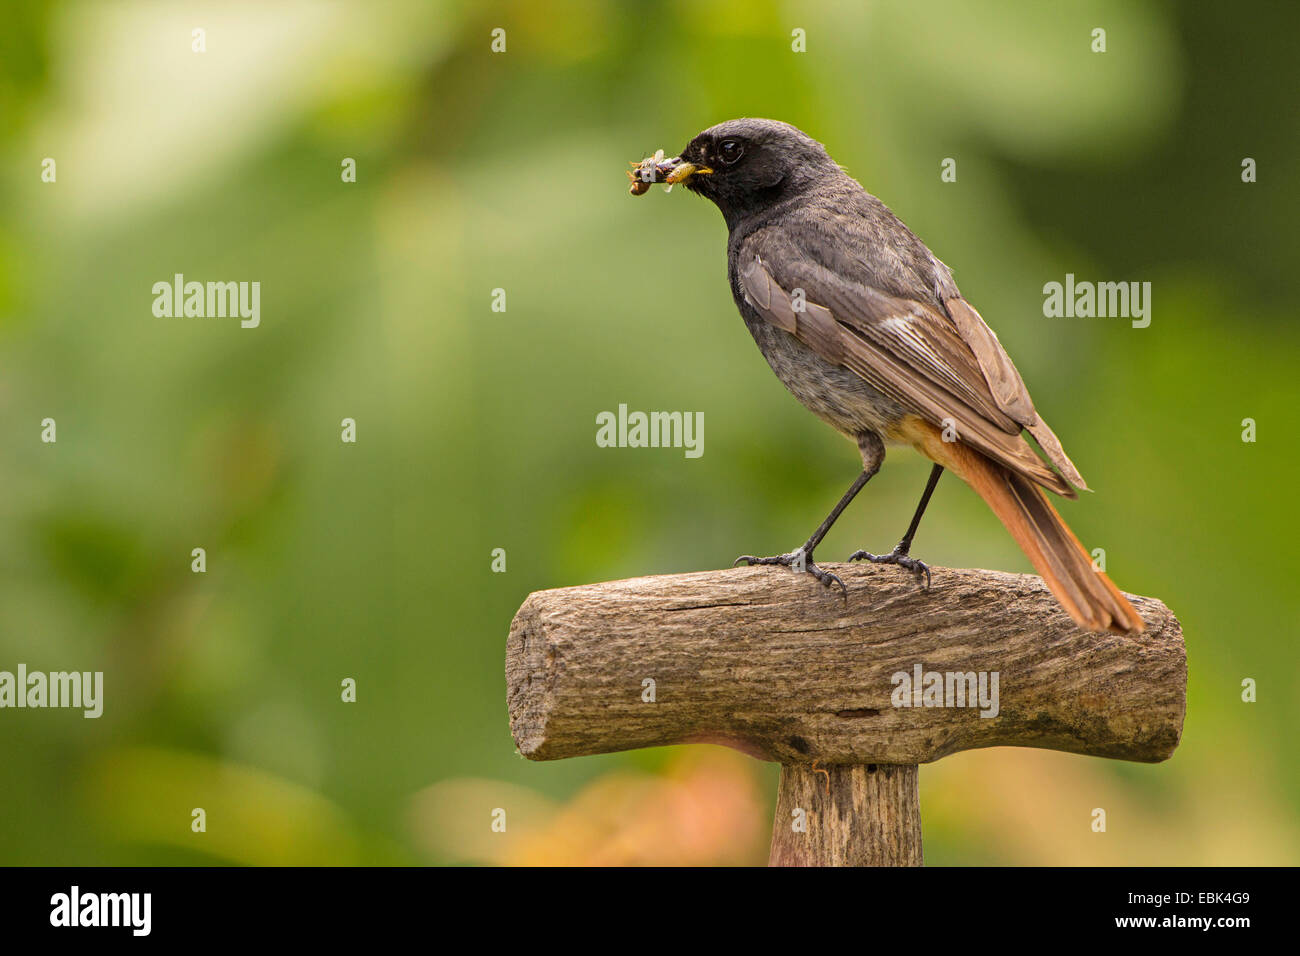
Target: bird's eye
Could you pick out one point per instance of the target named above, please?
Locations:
(730, 150)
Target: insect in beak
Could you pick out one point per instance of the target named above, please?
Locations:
(656, 169)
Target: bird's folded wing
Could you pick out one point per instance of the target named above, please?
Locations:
(1006, 384)
(922, 359)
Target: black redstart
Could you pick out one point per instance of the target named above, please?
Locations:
(862, 323)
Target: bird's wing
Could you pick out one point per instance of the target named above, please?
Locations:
(943, 367)
(1006, 385)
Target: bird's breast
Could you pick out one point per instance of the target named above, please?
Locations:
(831, 392)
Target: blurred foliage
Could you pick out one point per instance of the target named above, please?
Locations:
(479, 171)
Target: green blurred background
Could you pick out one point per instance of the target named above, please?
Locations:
(475, 429)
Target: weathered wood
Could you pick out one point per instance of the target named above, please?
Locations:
(774, 664)
(847, 816)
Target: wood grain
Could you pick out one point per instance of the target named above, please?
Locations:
(776, 665)
(847, 816)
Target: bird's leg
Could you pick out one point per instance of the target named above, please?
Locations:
(802, 559)
(900, 554)
(873, 453)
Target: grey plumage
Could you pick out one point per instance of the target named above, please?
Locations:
(866, 327)
(884, 332)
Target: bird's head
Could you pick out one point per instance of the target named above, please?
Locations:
(746, 165)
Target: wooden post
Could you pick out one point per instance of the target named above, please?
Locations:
(854, 815)
(777, 666)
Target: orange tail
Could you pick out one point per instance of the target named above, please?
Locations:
(1086, 593)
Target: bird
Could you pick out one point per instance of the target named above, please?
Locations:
(867, 328)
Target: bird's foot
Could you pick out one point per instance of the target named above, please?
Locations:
(898, 557)
(799, 560)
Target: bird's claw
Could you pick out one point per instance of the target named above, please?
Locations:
(796, 560)
(900, 558)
